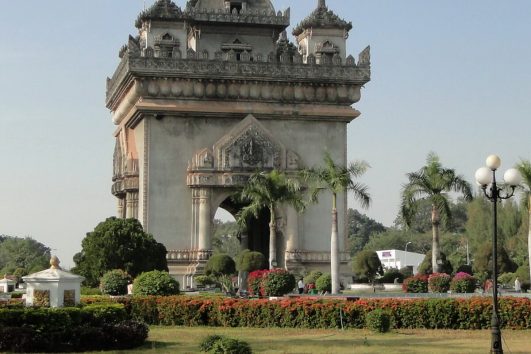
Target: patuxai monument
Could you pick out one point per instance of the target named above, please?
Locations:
(206, 95)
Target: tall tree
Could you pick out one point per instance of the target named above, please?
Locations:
(525, 170)
(360, 229)
(269, 190)
(118, 244)
(24, 254)
(432, 182)
(336, 179)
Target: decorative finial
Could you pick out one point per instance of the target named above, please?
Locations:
(322, 3)
(54, 262)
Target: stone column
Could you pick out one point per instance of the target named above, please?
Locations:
(205, 243)
(120, 208)
(131, 205)
(292, 229)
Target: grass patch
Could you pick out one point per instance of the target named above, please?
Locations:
(281, 340)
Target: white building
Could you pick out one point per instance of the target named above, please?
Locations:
(399, 259)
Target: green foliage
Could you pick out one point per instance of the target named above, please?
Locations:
(451, 313)
(115, 282)
(278, 282)
(225, 239)
(395, 239)
(439, 282)
(249, 261)
(360, 228)
(24, 255)
(118, 244)
(416, 284)
(90, 291)
(155, 283)
(312, 277)
(366, 264)
(324, 283)
(378, 321)
(220, 264)
(426, 266)
(204, 280)
(390, 275)
(465, 269)
(483, 260)
(523, 273)
(223, 345)
(431, 184)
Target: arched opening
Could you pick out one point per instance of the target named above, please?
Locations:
(255, 237)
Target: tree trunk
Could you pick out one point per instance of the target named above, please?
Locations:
(436, 252)
(334, 249)
(272, 239)
(529, 235)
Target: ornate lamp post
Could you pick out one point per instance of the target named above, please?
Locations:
(486, 176)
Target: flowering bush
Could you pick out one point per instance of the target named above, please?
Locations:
(466, 313)
(416, 284)
(439, 282)
(254, 282)
(463, 283)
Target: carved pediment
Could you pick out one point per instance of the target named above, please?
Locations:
(249, 146)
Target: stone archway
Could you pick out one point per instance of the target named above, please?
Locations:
(214, 174)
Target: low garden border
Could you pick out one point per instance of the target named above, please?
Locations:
(454, 313)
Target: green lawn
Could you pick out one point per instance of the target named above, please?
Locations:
(275, 340)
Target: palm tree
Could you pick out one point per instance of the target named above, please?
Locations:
(432, 182)
(337, 179)
(525, 170)
(269, 190)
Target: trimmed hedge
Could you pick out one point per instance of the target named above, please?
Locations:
(93, 327)
(471, 313)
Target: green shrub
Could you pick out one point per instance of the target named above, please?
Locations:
(94, 327)
(223, 345)
(115, 282)
(220, 264)
(416, 284)
(324, 283)
(390, 276)
(523, 273)
(205, 280)
(525, 286)
(507, 279)
(155, 283)
(439, 282)
(312, 277)
(463, 283)
(378, 321)
(278, 282)
(85, 290)
(249, 261)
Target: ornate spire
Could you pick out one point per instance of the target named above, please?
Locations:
(322, 18)
(54, 263)
(162, 10)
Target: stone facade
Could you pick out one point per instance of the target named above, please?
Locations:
(205, 96)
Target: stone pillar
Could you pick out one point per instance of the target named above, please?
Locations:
(292, 229)
(205, 243)
(131, 204)
(120, 211)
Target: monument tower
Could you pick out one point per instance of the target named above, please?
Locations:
(204, 97)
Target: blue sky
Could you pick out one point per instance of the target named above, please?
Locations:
(449, 76)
